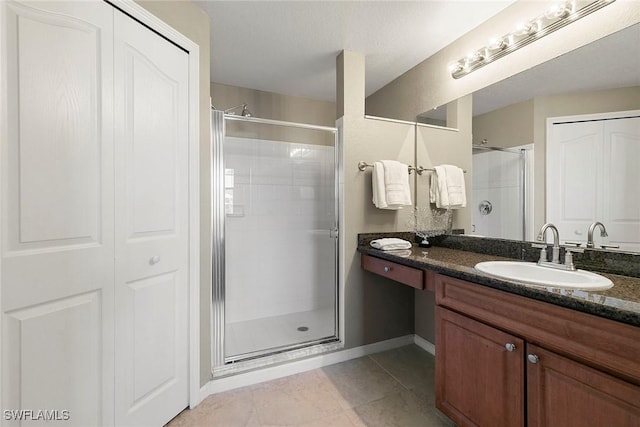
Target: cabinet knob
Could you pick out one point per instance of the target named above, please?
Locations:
(387, 269)
(510, 347)
(533, 358)
(154, 259)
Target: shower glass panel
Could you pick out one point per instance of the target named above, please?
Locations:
(280, 237)
(498, 208)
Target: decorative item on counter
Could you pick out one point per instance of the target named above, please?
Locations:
(390, 244)
(430, 222)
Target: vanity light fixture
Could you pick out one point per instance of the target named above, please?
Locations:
(554, 18)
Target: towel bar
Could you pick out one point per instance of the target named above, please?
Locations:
(363, 165)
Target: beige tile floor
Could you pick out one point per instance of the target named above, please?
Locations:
(393, 388)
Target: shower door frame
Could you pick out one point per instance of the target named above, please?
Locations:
(219, 364)
(524, 186)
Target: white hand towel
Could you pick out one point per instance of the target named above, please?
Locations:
(455, 187)
(390, 244)
(439, 188)
(396, 183)
(377, 186)
(447, 189)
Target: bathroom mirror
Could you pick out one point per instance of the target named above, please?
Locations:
(606, 70)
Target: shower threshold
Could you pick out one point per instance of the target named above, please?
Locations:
(257, 337)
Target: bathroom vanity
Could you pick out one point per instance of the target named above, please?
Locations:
(509, 354)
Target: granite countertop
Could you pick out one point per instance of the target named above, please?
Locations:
(620, 303)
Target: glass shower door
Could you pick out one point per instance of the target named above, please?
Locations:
(498, 194)
(280, 239)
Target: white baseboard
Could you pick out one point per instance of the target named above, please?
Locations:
(273, 372)
(424, 344)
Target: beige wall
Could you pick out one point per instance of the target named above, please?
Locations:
(269, 105)
(434, 147)
(375, 308)
(193, 22)
(430, 84)
(510, 126)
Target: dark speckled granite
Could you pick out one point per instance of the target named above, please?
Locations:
(620, 303)
(623, 263)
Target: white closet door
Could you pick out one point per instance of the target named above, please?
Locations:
(151, 97)
(57, 213)
(622, 178)
(574, 178)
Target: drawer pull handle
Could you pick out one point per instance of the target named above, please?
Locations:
(154, 260)
(510, 347)
(533, 358)
(387, 269)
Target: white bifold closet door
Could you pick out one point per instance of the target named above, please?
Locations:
(58, 213)
(94, 217)
(151, 105)
(592, 175)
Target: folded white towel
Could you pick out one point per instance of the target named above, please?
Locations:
(390, 185)
(377, 186)
(447, 188)
(396, 183)
(390, 244)
(404, 253)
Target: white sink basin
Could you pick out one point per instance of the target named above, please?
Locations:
(533, 274)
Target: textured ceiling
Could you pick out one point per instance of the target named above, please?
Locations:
(290, 47)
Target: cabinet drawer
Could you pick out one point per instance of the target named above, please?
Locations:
(605, 344)
(400, 273)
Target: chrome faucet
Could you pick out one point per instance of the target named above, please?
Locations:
(592, 228)
(555, 255)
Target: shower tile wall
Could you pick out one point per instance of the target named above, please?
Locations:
(280, 210)
(497, 179)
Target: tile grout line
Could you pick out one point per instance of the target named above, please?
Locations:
(390, 374)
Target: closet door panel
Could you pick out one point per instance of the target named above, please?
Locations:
(57, 210)
(574, 177)
(151, 226)
(622, 175)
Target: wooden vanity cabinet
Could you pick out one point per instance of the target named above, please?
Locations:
(506, 360)
(563, 392)
(479, 372)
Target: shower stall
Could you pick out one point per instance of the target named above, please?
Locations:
(501, 192)
(274, 239)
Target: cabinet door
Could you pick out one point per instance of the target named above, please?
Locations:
(57, 210)
(479, 372)
(151, 363)
(565, 393)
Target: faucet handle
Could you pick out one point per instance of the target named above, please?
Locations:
(543, 251)
(575, 250)
(577, 244)
(610, 246)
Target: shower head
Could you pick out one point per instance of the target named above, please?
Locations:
(244, 112)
